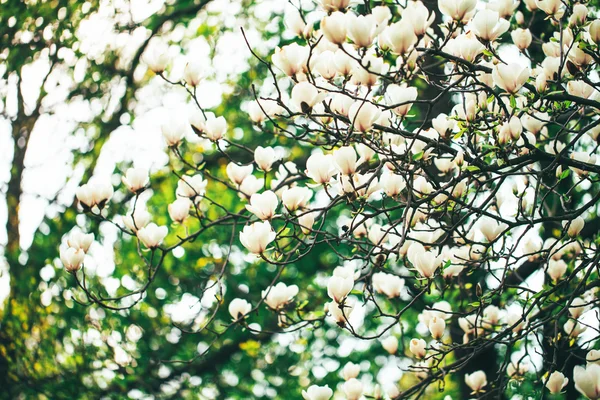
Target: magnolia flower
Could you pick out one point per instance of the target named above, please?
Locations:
(294, 22)
(556, 382)
(257, 236)
(458, 10)
(510, 77)
(353, 389)
(401, 96)
(251, 185)
(157, 58)
(291, 59)
(587, 380)
(340, 313)
(139, 219)
(72, 258)
(488, 26)
(425, 262)
(305, 96)
(490, 228)
(338, 287)
(476, 381)
(521, 38)
(392, 184)
(578, 307)
(263, 205)
(306, 222)
(192, 73)
(191, 186)
(437, 326)
(443, 124)
(573, 328)
(574, 226)
(361, 29)
(345, 160)
(363, 115)
(594, 31)
(390, 344)
(556, 269)
(505, 8)
(152, 235)
(136, 179)
(399, 37)
(279, 295)
(580, 89)
(320, 168)
(418, 16)
(238, 308)
(296, 197)
(318, 392)
(264, 157)
(584, 157)
(350, 371)
(215, 128)
(465, 46)
(418, 347)
(237, 173)
(94, 193)
(333, 27)
(174, 129)
(180, 209)
(80, 240)
(553, 8)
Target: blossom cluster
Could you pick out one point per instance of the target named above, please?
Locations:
(440, 148)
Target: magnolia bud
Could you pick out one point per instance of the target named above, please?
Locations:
(579, 15)
(574, 227)
(521, 38)
(519, 18)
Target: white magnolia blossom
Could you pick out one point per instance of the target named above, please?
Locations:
(152, 235)
(263, 205)
(257, 236)
(279, 295)
(315, 392)
(587, 380)
(238, 308)
(136, 179)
